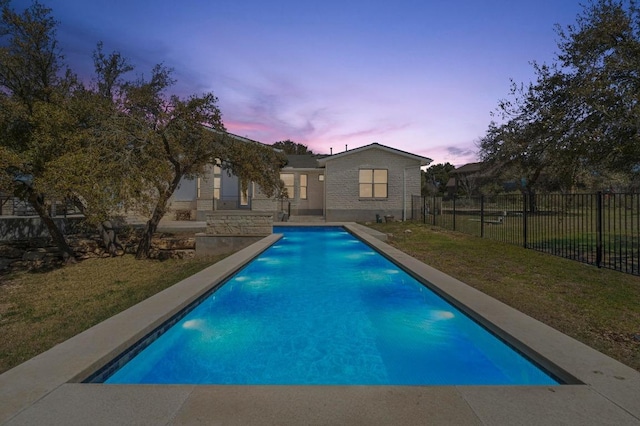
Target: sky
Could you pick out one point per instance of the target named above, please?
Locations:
(422, 76)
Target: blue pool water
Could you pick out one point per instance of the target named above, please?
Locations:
(320, 307)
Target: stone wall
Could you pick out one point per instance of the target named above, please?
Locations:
(233, 230)
(239, 223)
(41, 253)
(181, 210)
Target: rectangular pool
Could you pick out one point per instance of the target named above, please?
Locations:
(320, 307)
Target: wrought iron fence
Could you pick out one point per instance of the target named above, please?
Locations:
(601, 229)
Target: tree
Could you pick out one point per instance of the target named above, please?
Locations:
(175, 138)
(601, 54)
(34, 121)
(111, 146)
(580, 117)
(57, 143)
(435, 179)
(537, 137)
(290, 147)
(90, 173)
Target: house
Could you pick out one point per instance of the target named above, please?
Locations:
(355, 185)
(470, 178)
(373, 179)
(465, 179)
(215, 190)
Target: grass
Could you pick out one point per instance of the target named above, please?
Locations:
(599, 307)
(39, 310)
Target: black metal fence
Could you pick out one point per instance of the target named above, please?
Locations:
(601, 229)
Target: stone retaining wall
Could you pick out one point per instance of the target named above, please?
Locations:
(239, 223)
(232, 230)
(41, 253)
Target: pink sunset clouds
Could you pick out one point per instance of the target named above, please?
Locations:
(419, 76)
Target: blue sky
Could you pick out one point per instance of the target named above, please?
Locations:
(417, 75)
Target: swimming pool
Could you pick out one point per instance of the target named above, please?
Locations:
(320, 307)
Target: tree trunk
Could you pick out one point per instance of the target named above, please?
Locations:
(105, 229)
(533, 206)
(56, 235)
(144, 248)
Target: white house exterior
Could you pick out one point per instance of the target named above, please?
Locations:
(373, 179)
(354, 185)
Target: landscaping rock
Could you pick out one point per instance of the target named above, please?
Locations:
(34, 255)
(174, 243)
(41, 253)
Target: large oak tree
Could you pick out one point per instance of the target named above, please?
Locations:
(108, 146)
(580, 119)
(175, 138)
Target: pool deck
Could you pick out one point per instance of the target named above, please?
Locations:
(46, 389)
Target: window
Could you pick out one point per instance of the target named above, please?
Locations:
(303, 186)
(373, 183)
(287, 178)
(217, 174)
(321, 178)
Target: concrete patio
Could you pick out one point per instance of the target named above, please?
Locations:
(47, 388)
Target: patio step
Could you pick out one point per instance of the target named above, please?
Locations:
(306, 219)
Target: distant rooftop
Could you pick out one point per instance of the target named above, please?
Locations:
(467, 168)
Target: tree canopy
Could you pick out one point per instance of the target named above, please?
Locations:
(435, 178)
(291, 147)
(108, 145)
(578, 123)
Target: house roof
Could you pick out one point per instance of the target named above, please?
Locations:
(467, 168)
(423, 160)
(303, 161)
(234, 136)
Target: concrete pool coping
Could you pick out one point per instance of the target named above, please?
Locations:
(45, 389)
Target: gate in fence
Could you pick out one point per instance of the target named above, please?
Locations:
(601, 229)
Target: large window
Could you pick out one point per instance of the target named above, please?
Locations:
(303, 186)
(287, 178)
(373, 183)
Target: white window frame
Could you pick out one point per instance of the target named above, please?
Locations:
(373, 183)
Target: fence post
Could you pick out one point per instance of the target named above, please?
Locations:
(424, 210)
(434, 210)
(454, 212)
(599, 229)
(524, 219)
(482, 216)
(412, 210)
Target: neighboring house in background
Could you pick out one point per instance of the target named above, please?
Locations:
(469, 179)
(465, 180)
(354, 185)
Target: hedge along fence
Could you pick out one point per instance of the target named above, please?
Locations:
(602, 229)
